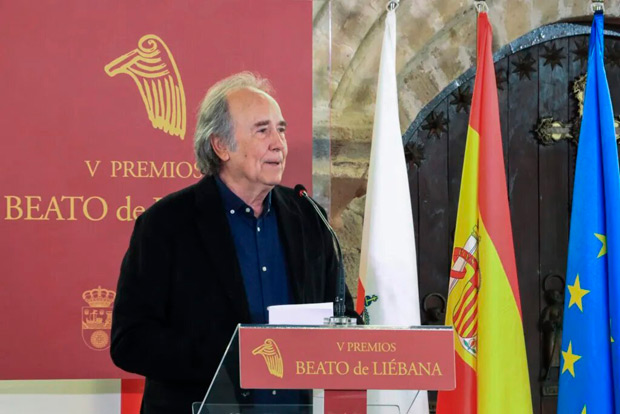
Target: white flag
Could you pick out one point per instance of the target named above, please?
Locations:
(388, 284)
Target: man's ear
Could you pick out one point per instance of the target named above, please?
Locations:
(219, 147)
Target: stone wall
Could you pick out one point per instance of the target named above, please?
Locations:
(436, 42)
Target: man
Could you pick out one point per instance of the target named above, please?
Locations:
(219, 252)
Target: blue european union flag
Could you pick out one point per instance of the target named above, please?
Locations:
(590, 372)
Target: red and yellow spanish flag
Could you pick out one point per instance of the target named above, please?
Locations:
(483, 300)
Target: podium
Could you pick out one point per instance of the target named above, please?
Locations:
(275, 368)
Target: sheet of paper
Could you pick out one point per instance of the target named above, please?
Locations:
(305, 314)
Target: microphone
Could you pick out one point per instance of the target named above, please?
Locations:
(339, 304)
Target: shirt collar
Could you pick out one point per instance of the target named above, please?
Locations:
(233, 202)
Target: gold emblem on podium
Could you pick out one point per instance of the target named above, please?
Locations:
(155, 73)
(272, 356)
(97, 318)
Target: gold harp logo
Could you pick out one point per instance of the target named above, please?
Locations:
(155, 73)
(272, 356)
(97, 318)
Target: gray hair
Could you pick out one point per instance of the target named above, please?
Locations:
(214, 118)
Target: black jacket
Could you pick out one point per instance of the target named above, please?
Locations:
(181, 294)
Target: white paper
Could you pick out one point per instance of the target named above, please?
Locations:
(305, 314)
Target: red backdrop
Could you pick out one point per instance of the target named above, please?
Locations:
(78, 146)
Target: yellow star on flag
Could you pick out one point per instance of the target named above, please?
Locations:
(576, 294)
(584, 410)
(603, 240)
(570, 359)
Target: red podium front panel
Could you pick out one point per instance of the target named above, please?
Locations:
(352, 358)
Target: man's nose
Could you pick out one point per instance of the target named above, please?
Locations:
(277, 140)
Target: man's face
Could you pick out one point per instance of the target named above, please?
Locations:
(259, 130)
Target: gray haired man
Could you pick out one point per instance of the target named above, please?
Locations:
(217, 253)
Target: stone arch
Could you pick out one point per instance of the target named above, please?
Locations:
(435, 44)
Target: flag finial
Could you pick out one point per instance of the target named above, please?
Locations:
(481, 6)
(597, 6)
(392, 5)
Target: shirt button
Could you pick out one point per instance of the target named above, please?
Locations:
(264, 268)
(258, 229)
(247, 209)
(232, 211)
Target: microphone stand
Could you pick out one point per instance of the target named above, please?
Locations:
(339, 318)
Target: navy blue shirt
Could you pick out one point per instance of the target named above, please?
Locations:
(259, 252)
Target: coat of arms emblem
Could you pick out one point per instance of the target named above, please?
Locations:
(97, 318)
(464, 284)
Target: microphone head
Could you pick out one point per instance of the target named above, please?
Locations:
(300, 190)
